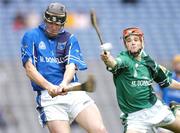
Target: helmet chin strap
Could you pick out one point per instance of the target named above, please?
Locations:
(139, 52)
(50, 34)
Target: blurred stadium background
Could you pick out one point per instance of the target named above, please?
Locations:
(159, 19)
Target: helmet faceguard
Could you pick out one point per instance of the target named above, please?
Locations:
(55, 13)
(134, 31)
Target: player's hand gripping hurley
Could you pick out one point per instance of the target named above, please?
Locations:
(88, 86)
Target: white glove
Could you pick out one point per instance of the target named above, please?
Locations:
(106, 46)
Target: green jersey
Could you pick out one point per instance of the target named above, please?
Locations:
(133, 80)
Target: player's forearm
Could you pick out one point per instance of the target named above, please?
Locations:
(111, 63)
(35, 76)
(108, 60)
(175, 85)
(69, 73)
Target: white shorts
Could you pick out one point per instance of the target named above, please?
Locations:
(145, 120)
(65, 107)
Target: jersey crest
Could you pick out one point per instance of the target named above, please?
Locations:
(61, 46)
(42, 45)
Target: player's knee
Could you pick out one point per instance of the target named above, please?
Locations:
(97, 129)
(100, 129)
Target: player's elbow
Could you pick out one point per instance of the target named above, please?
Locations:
(71, 66)
(29, 68)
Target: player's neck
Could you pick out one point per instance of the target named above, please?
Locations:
(138, 57)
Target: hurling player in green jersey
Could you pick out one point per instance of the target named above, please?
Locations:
(133, 73)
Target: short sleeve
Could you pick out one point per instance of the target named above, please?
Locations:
(26, 48)
(159, 73)
(163, 77)
(74, 55)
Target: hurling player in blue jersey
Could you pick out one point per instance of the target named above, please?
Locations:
(51, 56)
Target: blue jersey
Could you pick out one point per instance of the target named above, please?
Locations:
(51, 55)
(169, 95)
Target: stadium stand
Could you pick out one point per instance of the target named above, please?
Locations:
(159, 20)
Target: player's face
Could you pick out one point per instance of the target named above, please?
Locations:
(133, 43)
(52, 29)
